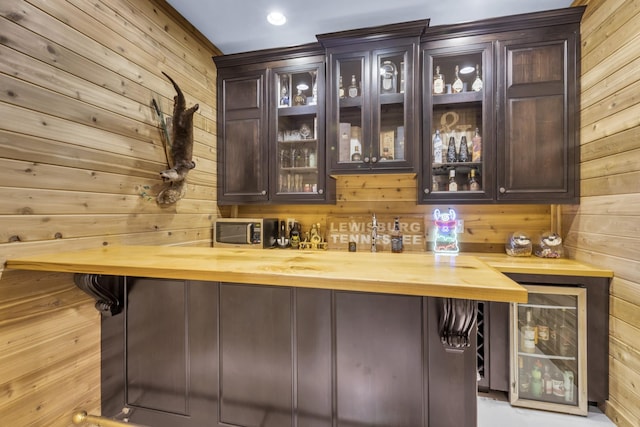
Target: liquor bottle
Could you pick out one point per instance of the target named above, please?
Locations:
(284, 91)
(564, 336)
(463, 152)
(528, 334)
(557, 383)
(568, 385)
(543, 332)
(356, 156)
(353, 87)
(547, 384)
(451, 151)
(536, 379)
(474, 185)
(437, 148)
(341, 89)
(453, 186)
(476, 86)
(457, 86)
(553, 333)
(476, 146)
(438, 82)
(396, 237)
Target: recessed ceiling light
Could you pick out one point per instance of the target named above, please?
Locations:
(466, 70)
(276, 18)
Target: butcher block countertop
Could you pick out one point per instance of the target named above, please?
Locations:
(422, 274)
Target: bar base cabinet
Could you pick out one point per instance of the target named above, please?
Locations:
(548, 350)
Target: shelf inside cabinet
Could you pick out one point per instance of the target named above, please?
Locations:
(297, 110)
(351, 102)
(457, 98)
(392, 98)
(462, 167)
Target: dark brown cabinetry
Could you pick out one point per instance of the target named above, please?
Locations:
(191, 353)
(526, 111)
(372, 98)
(493, 347)
(271, 127)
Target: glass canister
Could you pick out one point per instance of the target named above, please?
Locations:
(549, 246)
(518, 244)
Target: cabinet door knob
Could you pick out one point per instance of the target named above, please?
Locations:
(366, 160)
(263, 192)
(374, 159)
(320, 191)
(503, 190)
(426, 191)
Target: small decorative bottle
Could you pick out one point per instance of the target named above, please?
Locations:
(476, 147)
(457, 86)
(437, 148)
(474, 185)
(451, 151)
(463, 152)
(353, 87)
(453, 186)
(356, 156)
(438, 82)
(341, 89)
(477, 85)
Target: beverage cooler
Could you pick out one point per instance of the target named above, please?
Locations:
(548, 350)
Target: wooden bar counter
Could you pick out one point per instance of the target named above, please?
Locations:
(218, 337)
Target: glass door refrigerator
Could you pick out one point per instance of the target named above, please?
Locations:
(548, 350)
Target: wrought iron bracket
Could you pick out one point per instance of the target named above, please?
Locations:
(106, 290)
(456, 320)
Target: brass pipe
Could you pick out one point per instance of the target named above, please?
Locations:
(81, 417)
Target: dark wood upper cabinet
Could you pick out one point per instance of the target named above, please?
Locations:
(538, 132)
(271, 118)
(372, 98)
(364, 101)
(242, 138)
(526, 113)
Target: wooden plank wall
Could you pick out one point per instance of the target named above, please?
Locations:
(80, 153)
(605, 228)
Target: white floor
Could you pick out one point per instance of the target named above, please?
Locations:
(495, 412)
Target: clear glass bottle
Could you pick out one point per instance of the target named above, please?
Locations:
(353, 87)
(477, 85)
(340, 89)
(476, 147)
(474, 185)
(438, 82)
(437, 148)
(356, 156)
(528, 334)
(457, 86)
(453, 186)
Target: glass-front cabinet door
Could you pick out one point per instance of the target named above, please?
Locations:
(458, 133)
(298, 133)
(372, 109)
(548, 350)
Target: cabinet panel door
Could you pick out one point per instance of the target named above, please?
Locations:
(379, 372)
(242, 147)
(256, 358)
(537, 153)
